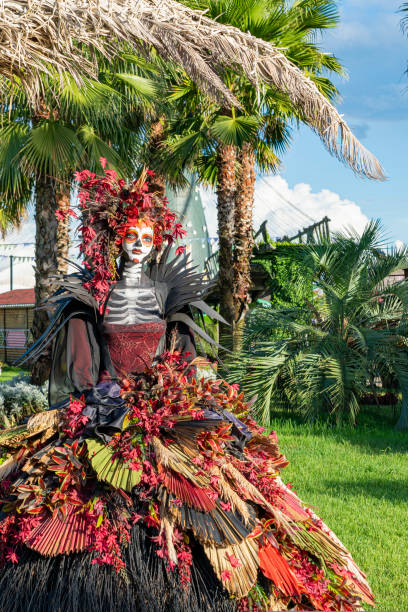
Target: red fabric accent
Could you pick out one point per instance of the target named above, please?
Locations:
(132, 347)
(277, 569)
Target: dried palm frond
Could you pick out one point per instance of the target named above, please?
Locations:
(241, 560)
(189, 493)
(219, 527)
(38, 463)
(12, 438)
(361, 586)
(260, 442)
(43, 420)
(231, 496)
(292, 505)
(168, 524)
(39, 36)
(177, 459)
(247, 488)
(10, 465)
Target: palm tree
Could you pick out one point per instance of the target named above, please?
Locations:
(71, 36)
(320, 357)
(41, 148)
(226, 146)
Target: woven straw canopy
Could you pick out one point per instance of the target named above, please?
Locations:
(36, 34)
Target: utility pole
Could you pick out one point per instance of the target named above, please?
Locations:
(11, 272)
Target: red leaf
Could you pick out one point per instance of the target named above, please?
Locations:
(277, 569)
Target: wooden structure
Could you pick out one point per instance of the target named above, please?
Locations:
(16, 316)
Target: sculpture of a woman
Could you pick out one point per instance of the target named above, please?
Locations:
(146, 486)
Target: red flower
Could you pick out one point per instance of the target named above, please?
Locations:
(103, 162)
(234, 561)
(178, 231)
(226, 575)
(180, 250)
(11, 556)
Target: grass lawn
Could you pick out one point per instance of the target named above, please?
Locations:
(357, 479)
(9, 372)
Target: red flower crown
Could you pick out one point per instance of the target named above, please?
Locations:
(108, 208)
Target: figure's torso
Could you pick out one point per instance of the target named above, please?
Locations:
(133, 322)
(133, 300)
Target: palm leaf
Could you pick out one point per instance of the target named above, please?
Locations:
(234, 130)
(14, 183)
(112, 471)
(66, 36)
(140, 86)
(51, 148)
(56, 535)
(95, 148)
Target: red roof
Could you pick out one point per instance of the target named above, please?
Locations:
(16, 297)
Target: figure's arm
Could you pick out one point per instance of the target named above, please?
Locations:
(75, 359)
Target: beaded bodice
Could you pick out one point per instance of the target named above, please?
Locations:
(132, 348)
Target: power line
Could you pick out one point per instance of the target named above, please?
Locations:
(287, 201)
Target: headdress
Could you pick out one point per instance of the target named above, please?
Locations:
(108, 207)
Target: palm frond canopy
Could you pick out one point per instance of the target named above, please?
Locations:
(37, 36)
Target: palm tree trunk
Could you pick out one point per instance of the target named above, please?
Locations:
(243, 240)
(63, 239)
(156, 139)
(226, 161)
(402, 424)
(46, 259)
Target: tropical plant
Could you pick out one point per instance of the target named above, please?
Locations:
(320, 358)
(40, 149)
(226, 146)
(279, 261)
(71, 37)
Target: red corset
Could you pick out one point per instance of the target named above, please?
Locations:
(132, 348)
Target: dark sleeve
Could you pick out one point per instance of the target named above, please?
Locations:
(75, 359)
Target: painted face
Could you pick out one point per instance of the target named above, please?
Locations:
(137, 243)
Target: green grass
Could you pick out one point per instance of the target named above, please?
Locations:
(9, 372)
(357, 480)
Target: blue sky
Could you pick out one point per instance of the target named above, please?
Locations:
(374, 51)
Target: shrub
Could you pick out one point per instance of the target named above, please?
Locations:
(19, 399)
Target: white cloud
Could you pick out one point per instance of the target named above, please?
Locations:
(272, 195)
(272, 198)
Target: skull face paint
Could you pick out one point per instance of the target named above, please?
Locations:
(137, 242)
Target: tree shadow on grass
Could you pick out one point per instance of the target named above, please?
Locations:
(392, 490)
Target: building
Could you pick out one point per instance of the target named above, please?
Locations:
(16, 316)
